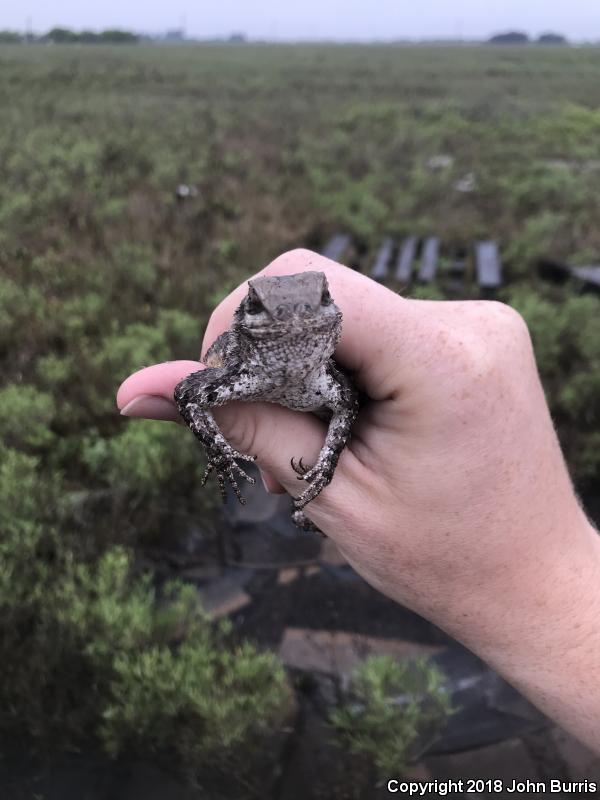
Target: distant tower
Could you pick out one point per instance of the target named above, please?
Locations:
(28, 29)
(183, 25)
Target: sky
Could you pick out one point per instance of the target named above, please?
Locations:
(360, 20)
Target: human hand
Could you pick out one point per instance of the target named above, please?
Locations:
(452, 495)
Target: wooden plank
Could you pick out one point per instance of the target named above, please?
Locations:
(336, 247)
(560, 272)
(488, 266)
(379, 271)
(429, 259)
(338, 653)
(406, 256)
(589, 275)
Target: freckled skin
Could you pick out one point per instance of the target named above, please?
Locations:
(278, 350)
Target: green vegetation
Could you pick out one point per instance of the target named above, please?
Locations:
(93, 652)
(566, 336)
(104, 269)
(392, 712)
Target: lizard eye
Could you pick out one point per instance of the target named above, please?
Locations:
(253, 305)
(325, 298)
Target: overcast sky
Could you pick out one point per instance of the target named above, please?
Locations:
(313, 19)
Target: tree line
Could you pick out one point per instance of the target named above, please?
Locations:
(117, 36)
(518, 37)
(67, 36)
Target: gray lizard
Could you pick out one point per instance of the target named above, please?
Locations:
(278, 350)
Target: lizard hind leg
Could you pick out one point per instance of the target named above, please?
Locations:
(319, 476)
(341, 398)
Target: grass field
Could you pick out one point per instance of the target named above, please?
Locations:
(103, 270)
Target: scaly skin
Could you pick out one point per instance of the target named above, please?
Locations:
(279, 350)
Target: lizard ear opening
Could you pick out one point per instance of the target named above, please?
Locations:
(325, 297)
(253, 304)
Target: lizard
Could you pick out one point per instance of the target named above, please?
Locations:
(279, 349)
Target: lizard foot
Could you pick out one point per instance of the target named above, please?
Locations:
(307, 473)
(321, 473)
(222, 460)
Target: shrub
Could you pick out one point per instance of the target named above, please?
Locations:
(170, 683)
(201, 702)
(143, 457)
(92, 652)
(21, 314)
(26, 414)
(391, 710)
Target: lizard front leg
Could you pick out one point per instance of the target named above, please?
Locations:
(195, 396)
(340, 396)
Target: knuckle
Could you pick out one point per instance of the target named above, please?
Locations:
(298, 259)
(500, 329)
(495, 349)
(510, 339)
(509, 322)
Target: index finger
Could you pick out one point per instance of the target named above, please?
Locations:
(374, 318)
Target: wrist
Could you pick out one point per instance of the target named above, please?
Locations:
(542, 633)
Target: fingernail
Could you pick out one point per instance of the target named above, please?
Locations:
(264, 479)
(271, 485)
(150, 407)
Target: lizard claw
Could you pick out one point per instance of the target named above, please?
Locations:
(300, 469)
(222, 460)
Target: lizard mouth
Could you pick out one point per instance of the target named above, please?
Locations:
(288, 328)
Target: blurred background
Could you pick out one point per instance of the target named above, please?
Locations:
(153, 643)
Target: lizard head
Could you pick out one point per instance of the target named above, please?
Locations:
(289, 304)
